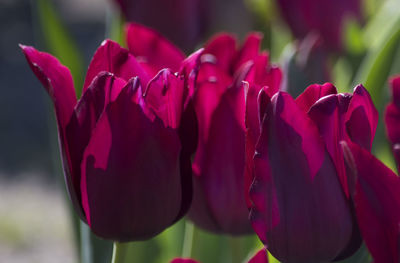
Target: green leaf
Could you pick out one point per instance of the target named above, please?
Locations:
(353, 37)
(376, 67)
(271, 259)
(59, 43)
(136, 252)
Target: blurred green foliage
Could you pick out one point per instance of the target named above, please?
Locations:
(59, 42)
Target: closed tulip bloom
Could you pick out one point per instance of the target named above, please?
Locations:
(219, 203)
(120, 142)
(392, 119)
(307, 203)
(324, 17)
(184, 22)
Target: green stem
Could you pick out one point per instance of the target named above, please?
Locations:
(188, 239)
(236, 249)
(119, 253)
(86, 244)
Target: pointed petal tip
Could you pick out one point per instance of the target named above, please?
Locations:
(360, 89)
(22, 46)
(108, 41)
(256, 34)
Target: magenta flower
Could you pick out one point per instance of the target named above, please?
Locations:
(376, 197)
(392, 119)
(184, 22)
(123, 156)
(308, 204)
(183, 260)
(323, 17)
(219, 203)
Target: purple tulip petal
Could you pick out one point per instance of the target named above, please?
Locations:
(249, 51)
(392, 119)
(111, 57)
(127, 155)
(222, 49)
(264, 212)
(302, 188)
(260, 257)
(329, 118)
(266, 75)
(150, 48)
(211, 84)
(377, 203)
(183, 260)
(164, 97)
(104, 89)
(188, 129)
(57, 80)
(361, 118)
(256, 104)
(189, 70)
(223, 164)
(313, 93)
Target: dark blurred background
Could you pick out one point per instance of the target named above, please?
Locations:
(35, 223)
(26, 119)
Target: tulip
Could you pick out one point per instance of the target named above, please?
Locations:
(182, 21)
(376, 198)
(219, 203)
(310, 193)
(323, 17)
(392, 119)
(121, 142)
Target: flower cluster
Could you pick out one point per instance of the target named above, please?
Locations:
(157, 135)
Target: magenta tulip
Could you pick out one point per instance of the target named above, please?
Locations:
(184, 22)
(392, 119)
(124, 158)
(323, 17)
(219, 203)
(376, 198)
(183, 260)
(306, 205)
